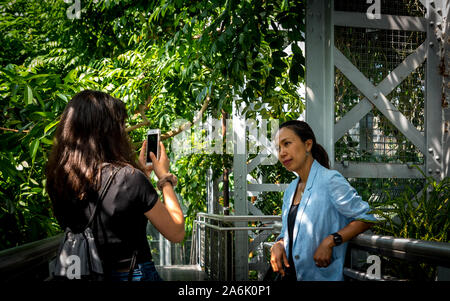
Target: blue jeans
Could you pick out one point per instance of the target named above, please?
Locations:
(144, 272)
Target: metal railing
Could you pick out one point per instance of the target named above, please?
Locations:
(412, 251)
(213, 249)
(361, 265)
(213, 246)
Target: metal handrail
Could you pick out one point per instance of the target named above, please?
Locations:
(405, 248)
(218, 228)
(437, 253)
(240, 218)
(22, 260)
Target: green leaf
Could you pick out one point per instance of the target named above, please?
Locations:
(50, 125)
(296, 50)
(35, 183)
(34, 146)
(293, 74)
(44, 114)
(39, 76)
(46, 141)
(258, 65)
(28, 95)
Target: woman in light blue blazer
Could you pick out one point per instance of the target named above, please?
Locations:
(321, 210)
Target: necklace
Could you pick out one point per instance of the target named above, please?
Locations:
(299, 193)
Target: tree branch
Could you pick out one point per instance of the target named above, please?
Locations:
(188, 124)
(174, 132)
(14, 130)
(142, 112)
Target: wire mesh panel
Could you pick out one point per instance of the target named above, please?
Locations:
(375, 139)
(377, 53)
(377, 191)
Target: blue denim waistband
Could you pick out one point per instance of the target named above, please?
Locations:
(143, 272)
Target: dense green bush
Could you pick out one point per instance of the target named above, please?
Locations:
(423, 216)
(164, 59)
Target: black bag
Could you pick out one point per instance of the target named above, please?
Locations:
(78, 257)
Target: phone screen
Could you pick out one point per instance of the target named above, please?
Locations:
(152, 146)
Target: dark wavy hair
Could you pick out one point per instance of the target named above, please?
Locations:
(91, 132)
(304, 132)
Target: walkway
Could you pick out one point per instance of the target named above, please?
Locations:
(181, 273)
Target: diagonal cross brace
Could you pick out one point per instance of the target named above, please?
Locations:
(377, 98)
(401, 72)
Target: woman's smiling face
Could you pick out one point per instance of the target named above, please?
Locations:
(292, 151)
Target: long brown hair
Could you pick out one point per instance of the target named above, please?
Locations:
(91, 132)
(304, 132)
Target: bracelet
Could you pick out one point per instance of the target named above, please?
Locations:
(168, 178)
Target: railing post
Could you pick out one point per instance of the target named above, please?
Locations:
(240, 192)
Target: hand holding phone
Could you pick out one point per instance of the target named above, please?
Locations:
(160, 163)
(161, 166)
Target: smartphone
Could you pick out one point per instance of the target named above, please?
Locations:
(152, 144)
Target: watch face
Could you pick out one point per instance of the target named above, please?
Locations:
(337, 239)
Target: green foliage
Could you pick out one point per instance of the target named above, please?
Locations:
(24, 214)
(419, 216)
(423, 216)
(164, 58)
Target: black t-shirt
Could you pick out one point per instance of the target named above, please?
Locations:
(120, 226)
(291, 222)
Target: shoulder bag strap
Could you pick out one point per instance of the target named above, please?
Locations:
(132, 266)
(102, 195)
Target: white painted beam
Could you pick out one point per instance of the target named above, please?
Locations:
(389, 22)
(378, 170)
(267, 187)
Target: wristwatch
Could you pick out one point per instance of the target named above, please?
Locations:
(337, 238)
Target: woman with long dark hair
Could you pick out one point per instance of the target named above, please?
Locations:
(89, 143)
(321, 210)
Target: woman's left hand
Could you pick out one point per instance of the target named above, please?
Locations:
(322, 256)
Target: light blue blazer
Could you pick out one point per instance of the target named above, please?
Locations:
(328, 204)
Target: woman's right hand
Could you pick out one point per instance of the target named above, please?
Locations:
(278, 257)
(161, 166)
(167, 217)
